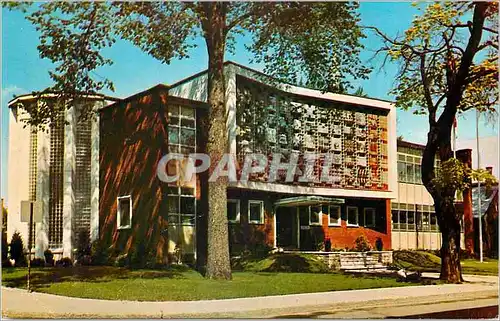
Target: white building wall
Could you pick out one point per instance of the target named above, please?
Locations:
(17, 173)
(42, 192)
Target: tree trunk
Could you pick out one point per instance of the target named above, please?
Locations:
(439, 142)
(218, 264)
(449, 225)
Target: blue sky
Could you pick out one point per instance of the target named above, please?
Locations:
(133, 71)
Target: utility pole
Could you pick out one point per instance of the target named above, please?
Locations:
(479, 191)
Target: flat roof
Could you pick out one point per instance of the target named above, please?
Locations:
(32, 96)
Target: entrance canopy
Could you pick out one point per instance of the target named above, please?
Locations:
(307, 200)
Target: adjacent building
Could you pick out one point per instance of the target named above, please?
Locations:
(55, 166)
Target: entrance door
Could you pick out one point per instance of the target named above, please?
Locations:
(305, 229)
(286, 227)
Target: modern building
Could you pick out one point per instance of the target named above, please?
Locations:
(136, 208)
(55, 166)
(101, 175)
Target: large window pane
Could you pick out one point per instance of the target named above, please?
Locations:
(410, 173)
(352, 215)
(403, 219)
(395, 220)
(173, 204)
(173, 135)
(418, 174)
(187, 136)
(187, 205)
(334, 215)
(233, 210)
(369, 214)
(411, 220)
(401, 172)
(315, 215)
(255, 209)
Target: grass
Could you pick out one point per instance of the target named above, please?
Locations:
(114, 283)
(428, 262)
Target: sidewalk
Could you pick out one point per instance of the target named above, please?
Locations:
(478, 291)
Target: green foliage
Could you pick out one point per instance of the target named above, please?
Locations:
(37, 262)
(361, 244)
(484, 176)
(17, 249)
(452, 174)
(83, 246)
(49, 257)
(300, 263)
(313, 43)
(100, 253)
(431, 51)
(455, 175)
(65, 262)
(316, 44)
(5, 251)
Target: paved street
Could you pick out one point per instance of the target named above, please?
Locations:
(479, 291)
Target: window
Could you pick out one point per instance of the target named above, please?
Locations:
(401, 172)
(411, 221)
(181, 129)
(256, 212)
(425, 221)
(181, 206)
(334, 217)
(402, 220)
(352, 216)
(410, 170)
(233, 211)
(369, 214)
(315, 215)
(395, 220)
(124, 220)
(434, 224)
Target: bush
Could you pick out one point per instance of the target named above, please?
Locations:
(379, 244)
(49, 257)
(37, 262)
(65, 262)
(85, 260)
(83, 246)
(17, 250)
(100, 254)
(5, 251)
(362, 244)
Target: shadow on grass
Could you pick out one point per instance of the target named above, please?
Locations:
(43, 277)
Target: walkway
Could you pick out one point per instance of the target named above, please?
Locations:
(374, 303)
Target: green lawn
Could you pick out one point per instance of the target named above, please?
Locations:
(488, 267)
(428, 262)
(160, 285)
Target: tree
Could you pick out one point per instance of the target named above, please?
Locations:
(448, 65)
(17, 249)
(316, 43)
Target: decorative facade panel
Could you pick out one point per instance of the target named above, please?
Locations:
(270, 121)
(81, 218)
(56, 173)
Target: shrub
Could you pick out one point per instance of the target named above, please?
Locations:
(298, 263)
(65, 262)
(17, 249)
(49, 257)
(5, 251)
(85, 260)
(83, 246)
(37, 262)
(100, 254)
(362, 244)
(379, 244)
